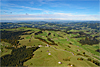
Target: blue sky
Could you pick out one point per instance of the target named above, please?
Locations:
(49, 10)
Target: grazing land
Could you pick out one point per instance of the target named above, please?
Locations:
(43, 43)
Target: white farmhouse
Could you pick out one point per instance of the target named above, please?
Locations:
(49, 53)
(59, 62)
(40, 46)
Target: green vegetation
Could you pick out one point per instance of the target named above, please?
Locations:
(72, 44)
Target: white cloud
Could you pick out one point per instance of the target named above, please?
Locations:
(30, 8)
(57, 16)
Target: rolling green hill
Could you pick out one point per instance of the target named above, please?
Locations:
(61, 45)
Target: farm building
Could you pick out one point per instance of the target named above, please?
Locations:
(40, 46)
(49, 53)
(59, 62)
(47, 45)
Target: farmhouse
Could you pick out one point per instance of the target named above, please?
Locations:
(40, 46)
(49, 53)
(59, 62)
(47, 45)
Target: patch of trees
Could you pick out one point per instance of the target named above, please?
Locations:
(83, 54)
(72, 32)
(9, 47)
(82, 33)
(97, 36)
(28, 33)
(60, 36)
(94, 25)
(89, 41)
(70, 43)
(18, 56)
(50, 29)
(8, 25)
(42, 25)
(41, 39)
(94, 61)
(98, 50)
(69, 28)
(78, 36)
(79, 54)
(80, 58)
(12, 36)
(67, 59)
(69, 46)
(21, 38)
(38, 32)
(49, 34)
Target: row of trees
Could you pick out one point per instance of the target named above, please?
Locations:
(38, 32)
(94, 61)
(52, 42)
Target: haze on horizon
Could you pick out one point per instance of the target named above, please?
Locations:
(49, 10)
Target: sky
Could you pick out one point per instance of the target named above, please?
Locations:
(49, 10)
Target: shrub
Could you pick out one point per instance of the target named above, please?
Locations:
(79, 54)
(69, 46)
(68, 59)
(80, 58)
(31, 64)
(70, 43)
(89, 59)
(69, 64)
(73, 65)
(84, 53)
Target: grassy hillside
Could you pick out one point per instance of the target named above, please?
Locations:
(67, 48)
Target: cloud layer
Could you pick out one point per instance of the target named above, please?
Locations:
(56, 16)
